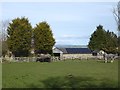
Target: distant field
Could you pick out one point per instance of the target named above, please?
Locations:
(63, 74)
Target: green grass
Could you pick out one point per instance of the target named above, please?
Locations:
(60, 74)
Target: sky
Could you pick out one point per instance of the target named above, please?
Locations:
(72, 23)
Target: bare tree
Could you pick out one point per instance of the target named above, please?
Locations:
(116, 13)
(3, 36)
(3, 31)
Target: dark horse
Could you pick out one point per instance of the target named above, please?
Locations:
(43, 58)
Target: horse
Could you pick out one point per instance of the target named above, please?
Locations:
(43, 58)
(110, 57)
(106, 56)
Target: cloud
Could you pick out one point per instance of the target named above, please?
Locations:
(69, 39)
(66, 42)
(69, 36)
(71, 42)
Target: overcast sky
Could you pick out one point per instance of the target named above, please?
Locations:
(72, 23)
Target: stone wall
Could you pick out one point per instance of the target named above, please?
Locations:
(77, 56)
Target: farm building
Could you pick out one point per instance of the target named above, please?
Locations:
(57, 52)
(72, 53)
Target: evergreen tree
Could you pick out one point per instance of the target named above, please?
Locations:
(111, 42)
(102, 40)
(43, 38)
(19, 36)
(97, 39)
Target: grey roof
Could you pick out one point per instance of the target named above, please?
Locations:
(56, 50)
(63, 50)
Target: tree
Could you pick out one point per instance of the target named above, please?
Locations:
(102, 40)
(97, 39)
(111, 42)
(116, 13)
(43, 38)
(3, 36)
(4, 25)
(19, 36)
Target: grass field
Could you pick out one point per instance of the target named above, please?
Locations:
(63, 74)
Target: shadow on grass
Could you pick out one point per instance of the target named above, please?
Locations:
(73, 82)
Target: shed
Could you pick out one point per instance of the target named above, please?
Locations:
(57, 52)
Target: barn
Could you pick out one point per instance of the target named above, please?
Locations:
(72, 53)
